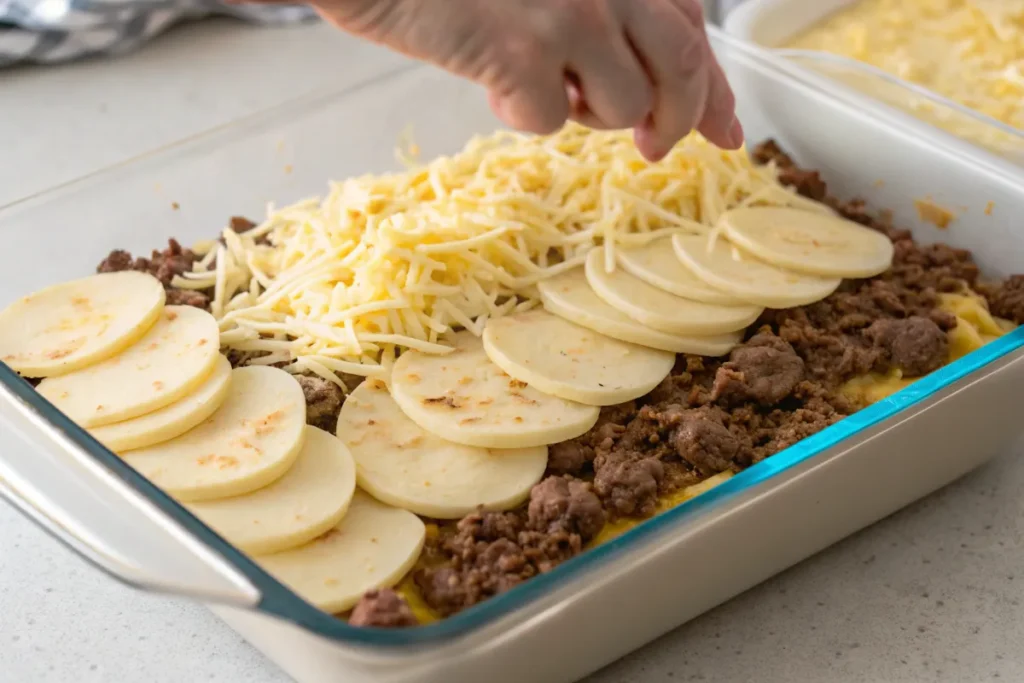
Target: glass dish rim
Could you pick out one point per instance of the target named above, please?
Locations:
(277, 600)
(795, 56)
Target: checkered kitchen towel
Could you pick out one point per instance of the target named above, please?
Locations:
(51, 31)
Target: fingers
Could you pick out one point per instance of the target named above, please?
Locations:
(719, 123)
(614, 88)
(690, 90)
(604, 84)
(537, 102)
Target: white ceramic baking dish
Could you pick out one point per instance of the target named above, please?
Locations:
(773, 23)
(599, 606)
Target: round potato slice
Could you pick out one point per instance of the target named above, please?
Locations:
(250, 442)
(568, 296)
(76, 324)
(748, 277)
(465, 398)
(170, 421)
(169, 362)
(812, 243)
(571, 362)
(656, 264)
(655, 308)
(305, 503)
(408, 467)
(374, 546)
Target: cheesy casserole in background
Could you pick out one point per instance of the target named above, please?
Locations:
(969, 51)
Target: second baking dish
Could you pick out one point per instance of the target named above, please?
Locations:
(619, 595)
(890, 34)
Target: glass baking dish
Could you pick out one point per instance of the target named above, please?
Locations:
(58, 475)
(771, 23)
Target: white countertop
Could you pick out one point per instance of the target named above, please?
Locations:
(933, 593)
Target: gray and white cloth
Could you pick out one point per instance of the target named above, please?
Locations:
(53, 31)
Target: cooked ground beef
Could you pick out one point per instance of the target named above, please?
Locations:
(765, 370)
(382, 609)
(565, 504)
(1006, 299)
(915, 345)
(163, 265)
(323, 401)
(241, 224)
(701, 438)
(487, 553)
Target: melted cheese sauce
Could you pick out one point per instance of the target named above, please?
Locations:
(975, 328)
(970, 51)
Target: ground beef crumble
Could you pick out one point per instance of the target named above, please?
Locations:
(164, 265)
(709, 416)
(382, 609)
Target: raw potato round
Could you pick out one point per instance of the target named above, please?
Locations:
(374, 546)
(465, 398)
(305, 503)
(76, 324)
(408, 467)
(171, 421)
(655, 308)
(250, 442)
(749, 278)
(812, 243)
(572, 362)
(657, 265)
(171, 360)
(568, 296)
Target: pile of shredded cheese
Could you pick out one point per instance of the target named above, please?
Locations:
(970, 51)
(385, 263)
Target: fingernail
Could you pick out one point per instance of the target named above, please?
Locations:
(736, 134)
(648, 144)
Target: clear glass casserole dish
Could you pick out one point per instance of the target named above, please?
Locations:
(87, 496)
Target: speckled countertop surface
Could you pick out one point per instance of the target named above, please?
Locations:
(931, 594)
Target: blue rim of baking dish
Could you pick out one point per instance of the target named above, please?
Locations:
(277, 600)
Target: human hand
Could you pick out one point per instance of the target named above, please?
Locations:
(642, 64)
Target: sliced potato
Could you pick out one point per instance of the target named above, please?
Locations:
(250, 442)
(408, 467)
(465, 398)
(571, 362)
(170, 421)
(812, 243)
(568, 296)
(656, 264)
(660, 310)
(374, 546)
(73, 325)
(305, 503)
(169, 362)
(747, 277)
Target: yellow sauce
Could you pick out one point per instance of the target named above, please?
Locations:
(975, 328)
(969, 51)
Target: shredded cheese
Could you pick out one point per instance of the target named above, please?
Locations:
(385, 263)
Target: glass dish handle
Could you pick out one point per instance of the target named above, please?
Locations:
(93, 502)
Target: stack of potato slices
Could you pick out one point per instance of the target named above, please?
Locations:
(149, 382)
